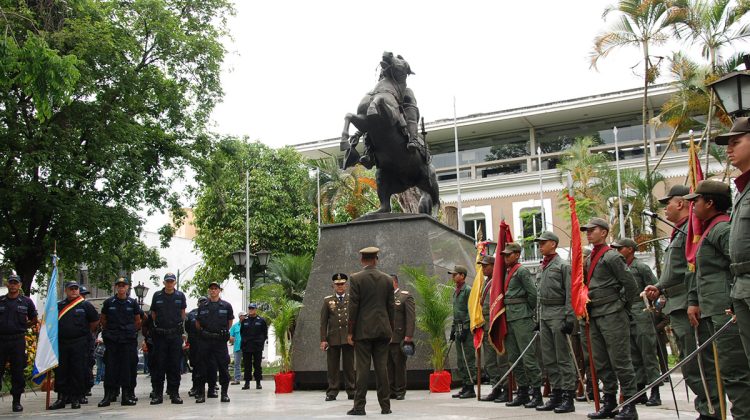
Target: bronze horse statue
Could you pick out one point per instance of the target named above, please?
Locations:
(380, 118)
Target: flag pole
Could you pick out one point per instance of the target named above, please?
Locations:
(458, 172)
(619, 186)
(49, 373)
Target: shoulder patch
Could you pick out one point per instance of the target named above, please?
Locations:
(406, 292)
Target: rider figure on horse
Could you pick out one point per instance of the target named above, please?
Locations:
(398, 70)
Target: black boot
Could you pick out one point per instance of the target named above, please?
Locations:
(200, 394)
(59, 403)
(554, 400)
(567, 405)
(468, 393)
(655, 398)
(521, 398)
(17, 407)
(108, 398)
(628, 412)
(75, 402)
(492, 396)
(643, 398)
(212, 392)
(606, 409)
(460, 391)
(192, 392)
(247, 385)
(174, 397)
(224, 393)
(128, 397)
(157, 396)
(536, 398)
(258, 385)
(83, 400)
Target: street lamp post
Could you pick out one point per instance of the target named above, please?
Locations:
(733, 92)
(140, 292)
(241, 259)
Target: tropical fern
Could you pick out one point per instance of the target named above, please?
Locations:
(291, 273)
(284, 315)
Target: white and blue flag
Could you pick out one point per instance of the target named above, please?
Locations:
(47, 353)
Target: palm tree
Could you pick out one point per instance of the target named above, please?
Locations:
(284, 316)
(291, 273)
(584, 167)
(345, 195)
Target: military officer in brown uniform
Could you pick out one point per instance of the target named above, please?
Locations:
(403, 331)
(371, 316)
(334, 321)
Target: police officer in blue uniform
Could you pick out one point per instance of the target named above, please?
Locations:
(121, 319)
(254, 333)
(168, 313)
(77, 319)
(213, 321)
(194, 341)
(17, 314)
(91, 347)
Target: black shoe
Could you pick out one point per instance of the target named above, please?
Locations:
(400, 397)
(75, 404)
(386, 411)
(175, 398)
(502, 396)
(192, 392)
(521, 398)
(258, 385)
(83, 400)
(567, 405)
(469, 393)
(156, 399)
(127, 401)
(555, 399)
(212, 393)
(247, 385)
(200, 398)
(628, 412)
(330, 398)
(356, 412)
(536, 398)
(607, 408)
(224, 398)
(108, 395)
(88, 394)
(58, 404)
(492, 396)
(461, 391)
(17, 407)
(655, 398)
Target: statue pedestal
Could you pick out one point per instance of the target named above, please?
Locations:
(404, 239)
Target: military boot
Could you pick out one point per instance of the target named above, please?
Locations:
(628, 412)
(258, 385)
(643, 398)
(468, 393)
(247, 385)
(461, 391)
(555, 398)
(17, 407)
(492, 396)
(157, 396)
(567, 405)
(174, 397)
(128, 397)
(607, 408)
(212, 393)
(224, 393)
(108, 398)
(192, 392)
(200, 394)
(536, 398)
(59, 403)
(655, 398)
(521, 398)
(75, 402)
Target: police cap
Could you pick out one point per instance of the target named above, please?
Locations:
(124, 280)
(14, 278)
(740, 127)
(170, 277)
(69, 284)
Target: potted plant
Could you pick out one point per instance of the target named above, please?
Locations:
(284, 315)
(433, 315)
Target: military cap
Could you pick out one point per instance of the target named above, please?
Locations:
(675, 191)
(84, 291)
(202, 300)
(122, 280)
(460, 269)
(252, 305)
(595, 222)
(487, 260)
(369, 250)
(214, 283)
(170, 276)
(339, 278)
(547, 236)
(741, 126)
(710, 187)
(625, 242)
(14, 278)
(72, 283)
(511, 248)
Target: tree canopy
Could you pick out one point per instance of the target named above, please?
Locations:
(100, 101)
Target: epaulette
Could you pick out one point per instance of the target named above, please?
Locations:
(328, 297)
(406, 292)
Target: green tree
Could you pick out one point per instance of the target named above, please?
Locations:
(282, 220)
(584, 167)
(291, 272)
(345, 194)
(100, 101)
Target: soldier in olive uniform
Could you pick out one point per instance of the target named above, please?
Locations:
(334, 322)
(673, 284)
(642, 332)
(460, 333)
(17, 314)
(371, 316)
(612, 290)
(738, 152)
(520, 304)
(709, 293)
(495, 364)
(403, 331)
(556, 322)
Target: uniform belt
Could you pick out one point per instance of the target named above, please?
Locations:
(213, 335)
(738, 269)
(167, 331)
(552, 301)
(513, 301)
(671, 291)
(604, 300)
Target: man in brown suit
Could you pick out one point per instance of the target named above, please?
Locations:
(404, 320)
(371, 309)
(334, 324)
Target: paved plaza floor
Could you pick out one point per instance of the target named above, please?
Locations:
(264, 404)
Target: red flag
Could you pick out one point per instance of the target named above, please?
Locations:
(579, 291)
(695, 230)
(498, 327)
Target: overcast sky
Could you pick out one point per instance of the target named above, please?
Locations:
(295, 68)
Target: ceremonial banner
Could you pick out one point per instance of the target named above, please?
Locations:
(694, 228)
(47, 354)
(498, 327)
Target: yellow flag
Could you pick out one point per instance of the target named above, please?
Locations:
(475, 300)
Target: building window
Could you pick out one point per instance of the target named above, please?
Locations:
(531, 222)
(475, 226)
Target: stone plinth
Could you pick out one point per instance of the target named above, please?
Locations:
(404, 239)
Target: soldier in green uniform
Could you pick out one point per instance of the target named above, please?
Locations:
(334, 323)
(520, 304)
(642, 332)
(460, 333)
(738, 152)
(371, 317)
(673, 284)
(612, 290)
(709, 293)
(555, 323)
(403, 332)
(495, 364)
